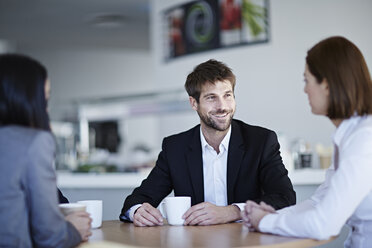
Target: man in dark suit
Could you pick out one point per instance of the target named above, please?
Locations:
(220, 163)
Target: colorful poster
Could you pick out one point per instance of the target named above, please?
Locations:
(212, 24)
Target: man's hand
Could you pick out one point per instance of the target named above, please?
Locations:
(253, 213)
(206, 213)
(147, 215)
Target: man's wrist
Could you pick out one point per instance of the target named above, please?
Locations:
(133, 210)
(234, 213)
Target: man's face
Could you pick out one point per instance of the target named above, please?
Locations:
(216, 105)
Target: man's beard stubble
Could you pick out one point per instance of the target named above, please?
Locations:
(209, 122)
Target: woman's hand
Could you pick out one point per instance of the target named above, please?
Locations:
(253, 213)
(82, 222)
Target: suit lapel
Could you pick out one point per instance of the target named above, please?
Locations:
(234, 159)
(194, 162)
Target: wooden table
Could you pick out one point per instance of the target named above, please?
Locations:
(227, 235)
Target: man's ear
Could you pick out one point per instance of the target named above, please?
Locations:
(193, 103)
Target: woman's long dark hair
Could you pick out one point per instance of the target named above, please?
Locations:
(22, 92)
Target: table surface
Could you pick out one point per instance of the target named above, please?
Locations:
(113, 233)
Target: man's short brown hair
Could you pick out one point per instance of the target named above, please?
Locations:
(341, 63)
(210, 71)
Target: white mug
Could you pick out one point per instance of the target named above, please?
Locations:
(94, 208)
(175, 207)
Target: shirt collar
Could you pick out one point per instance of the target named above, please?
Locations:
(224, 143)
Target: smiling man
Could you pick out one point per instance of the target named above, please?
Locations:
(220, 163)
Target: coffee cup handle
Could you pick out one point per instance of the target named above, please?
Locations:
(162, 210)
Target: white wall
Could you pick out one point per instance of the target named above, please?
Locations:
(81, 73)
(5, 46)
(269, 89)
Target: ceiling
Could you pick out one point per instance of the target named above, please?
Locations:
(61, 23)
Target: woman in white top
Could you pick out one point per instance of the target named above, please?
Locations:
(338, 85)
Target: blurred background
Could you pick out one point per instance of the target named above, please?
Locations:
(115, 96)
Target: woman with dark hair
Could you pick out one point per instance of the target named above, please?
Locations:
(29, 210)
(338, 85)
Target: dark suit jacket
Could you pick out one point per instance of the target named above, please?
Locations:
(255, 170)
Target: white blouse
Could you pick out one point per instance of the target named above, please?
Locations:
(345, 196)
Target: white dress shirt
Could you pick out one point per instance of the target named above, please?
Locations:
(215, 170)
(345, 196)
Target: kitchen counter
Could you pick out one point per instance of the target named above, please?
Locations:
(104, 180)
(307, 176)
(132, 180)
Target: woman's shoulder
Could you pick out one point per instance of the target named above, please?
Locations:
(366, 121)
(360, 134)
(24, 136)
(364, 125)
(20, 146)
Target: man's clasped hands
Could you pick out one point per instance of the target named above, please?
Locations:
(251, 215)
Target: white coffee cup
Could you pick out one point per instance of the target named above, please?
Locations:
(68, 208)
(175, 207)
(94, 208)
